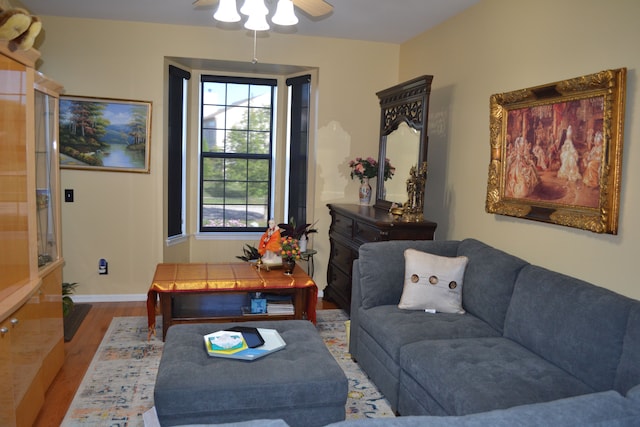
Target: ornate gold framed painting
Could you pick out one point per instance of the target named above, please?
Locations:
(556, 152)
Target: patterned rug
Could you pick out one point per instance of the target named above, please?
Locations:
(117, 389)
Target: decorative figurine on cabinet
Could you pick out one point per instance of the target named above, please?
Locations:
(269, 247)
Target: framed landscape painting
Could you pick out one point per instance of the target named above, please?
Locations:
(556, 152)
(104, 134)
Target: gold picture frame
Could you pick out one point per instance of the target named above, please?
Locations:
(556, 152)
(105, 134)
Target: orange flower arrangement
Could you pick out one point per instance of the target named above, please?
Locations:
(289, 248)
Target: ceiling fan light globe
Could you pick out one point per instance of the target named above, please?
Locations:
(285, 14)
(227, 11)
(254, 7)
(257, 23)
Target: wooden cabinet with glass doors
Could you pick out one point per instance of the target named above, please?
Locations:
(31, 329)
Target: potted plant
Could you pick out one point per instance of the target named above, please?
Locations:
(290, 253)
(300, 232)
(67, 302)
(250, 253)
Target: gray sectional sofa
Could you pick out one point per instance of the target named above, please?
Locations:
(534, 348)
(606, 409)
(529, 335)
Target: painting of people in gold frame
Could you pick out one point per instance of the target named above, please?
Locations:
(556, 152)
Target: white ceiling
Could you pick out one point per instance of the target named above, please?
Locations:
(391, 21)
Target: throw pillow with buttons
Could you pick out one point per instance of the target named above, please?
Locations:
(432, 282)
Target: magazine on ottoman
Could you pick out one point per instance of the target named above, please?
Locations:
(233, 345)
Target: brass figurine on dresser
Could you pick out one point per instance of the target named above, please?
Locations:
(413, 209)
(403, 140)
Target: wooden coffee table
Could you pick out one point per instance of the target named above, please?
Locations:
(188, 293)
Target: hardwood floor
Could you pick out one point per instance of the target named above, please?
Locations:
(79, 353)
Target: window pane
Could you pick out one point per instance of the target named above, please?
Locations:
(213, 93)
(259, 193)
(235, 170)
(257, 215)
(213, 116)
(235, 216)
(259, 119)
(237, 94)
(213, 193)
(213, 216)
(259, 142)
(213, 169)
(236, 141)
(235, 193)
(211, 141)
(258, 170)
(260, 96)
(237, 118)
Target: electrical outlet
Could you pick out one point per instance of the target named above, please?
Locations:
(103, 266)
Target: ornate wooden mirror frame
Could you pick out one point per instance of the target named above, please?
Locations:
(406, 103)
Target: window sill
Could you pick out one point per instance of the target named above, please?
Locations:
(228, 236)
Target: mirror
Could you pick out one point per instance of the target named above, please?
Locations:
(403, 136)
(402, 150)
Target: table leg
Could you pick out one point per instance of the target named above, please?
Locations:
(166, 310)
(300, 303)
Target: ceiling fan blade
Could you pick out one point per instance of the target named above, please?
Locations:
(314, 8)
(198, 3)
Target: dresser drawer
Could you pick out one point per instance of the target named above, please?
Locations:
(341, 256)
(367, 233)
(340, 284)
(342, 225)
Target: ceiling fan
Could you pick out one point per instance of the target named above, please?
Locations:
(314, 8)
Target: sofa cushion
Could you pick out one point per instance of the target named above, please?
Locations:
(606, 409)
(466, 376)
(559, 317)
(488, 281)
(628, 372)
(381, 266)
(383, 330)
(394, 328)
(432, 282)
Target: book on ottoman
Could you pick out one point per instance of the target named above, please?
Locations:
(232, 345)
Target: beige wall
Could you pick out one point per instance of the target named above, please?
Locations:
(503, 45)
(495, 46)
(119, 216)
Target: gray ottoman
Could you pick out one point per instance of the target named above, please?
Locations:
(301, 384)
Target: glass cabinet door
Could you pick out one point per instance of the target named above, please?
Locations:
(14, 218)
(47, 181)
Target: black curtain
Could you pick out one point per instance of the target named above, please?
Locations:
(299, 147)
(175, 145)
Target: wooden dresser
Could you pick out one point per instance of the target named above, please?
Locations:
(353, 225)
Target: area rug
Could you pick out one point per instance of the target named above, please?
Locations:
(117, 389)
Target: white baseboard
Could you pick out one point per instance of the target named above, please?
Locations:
(109, 298)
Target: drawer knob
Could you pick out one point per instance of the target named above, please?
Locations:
(4, 330)
(14, 321)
